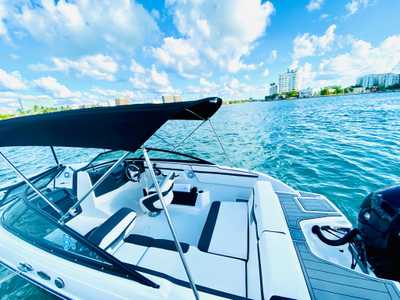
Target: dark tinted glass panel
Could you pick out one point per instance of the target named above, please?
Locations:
(35, 228)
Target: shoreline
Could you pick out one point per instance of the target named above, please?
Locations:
(233, 102)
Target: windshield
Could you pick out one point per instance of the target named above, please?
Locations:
(18, 190)
(109, 156)
(33, 227)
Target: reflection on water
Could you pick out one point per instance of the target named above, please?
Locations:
(341, 147)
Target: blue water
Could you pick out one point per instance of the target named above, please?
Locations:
(342, 147)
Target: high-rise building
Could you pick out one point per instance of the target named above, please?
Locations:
(386, 80)
(121, 101)
(289, 81)
(273, 89)
(171, 98)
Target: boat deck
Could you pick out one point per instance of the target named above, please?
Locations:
(326, 280)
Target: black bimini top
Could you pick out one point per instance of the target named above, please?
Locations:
(118, 128)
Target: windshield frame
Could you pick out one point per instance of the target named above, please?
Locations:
(8, 189)
(189, 158)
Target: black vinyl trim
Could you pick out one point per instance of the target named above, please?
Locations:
(153, 197)
(75, 183)
(206, 234)
(227, 174)
(161, 168)
(228, 256)
(186, 284)
(195, 159)
(242, 200)
(253, 215)
(147, 241)
(97, 235)
(248, 246)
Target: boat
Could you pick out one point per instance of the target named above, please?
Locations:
(139, 222)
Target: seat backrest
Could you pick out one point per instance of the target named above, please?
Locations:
(151, 203)
(113, 228)
(83, 185)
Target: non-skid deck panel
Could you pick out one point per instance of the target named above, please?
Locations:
(316, 204)
(326, 280)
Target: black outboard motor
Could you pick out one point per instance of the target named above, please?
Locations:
(379, 228)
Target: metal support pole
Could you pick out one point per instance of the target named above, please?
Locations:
(171, 227)
(40, 194)
(54, 155)
(214, 131)
(72, 210)
(219, 141)
(188, 136)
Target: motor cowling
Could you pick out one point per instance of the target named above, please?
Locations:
(379, 227)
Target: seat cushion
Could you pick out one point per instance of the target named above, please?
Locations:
(152, 203)
(147, 241)
(113, 228)
(225, 230)
(211, 271)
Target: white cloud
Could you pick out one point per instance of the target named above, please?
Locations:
(307, 76)
(179, 54)
(9, 100)
(227, 88)
(115, 23)
(309, 45)
(206, 83)
(204, 88)
(354, 5)
(97, 66)
(136, 68)
(274, 55)
(217, 33)
(155, 13)
(3, 15)
(159, 78)
(363, 58)
(51, 86)
(108, 95)
(314, 5)
(11, 81)
(152, 81)
(266, 72)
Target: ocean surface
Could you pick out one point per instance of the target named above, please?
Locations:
(342, 147)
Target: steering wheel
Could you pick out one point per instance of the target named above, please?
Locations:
(157, 171)
(132, 172)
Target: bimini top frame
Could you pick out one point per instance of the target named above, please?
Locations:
(111, 128)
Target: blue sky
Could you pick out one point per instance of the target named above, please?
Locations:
(87, 52)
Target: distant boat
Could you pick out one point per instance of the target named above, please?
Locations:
(143, 223)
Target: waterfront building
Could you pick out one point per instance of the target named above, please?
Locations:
(121, 101)
(308, 92)
(273, 89)
(358, 90)
(385, 80)
(171, 98)
(288, 81)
